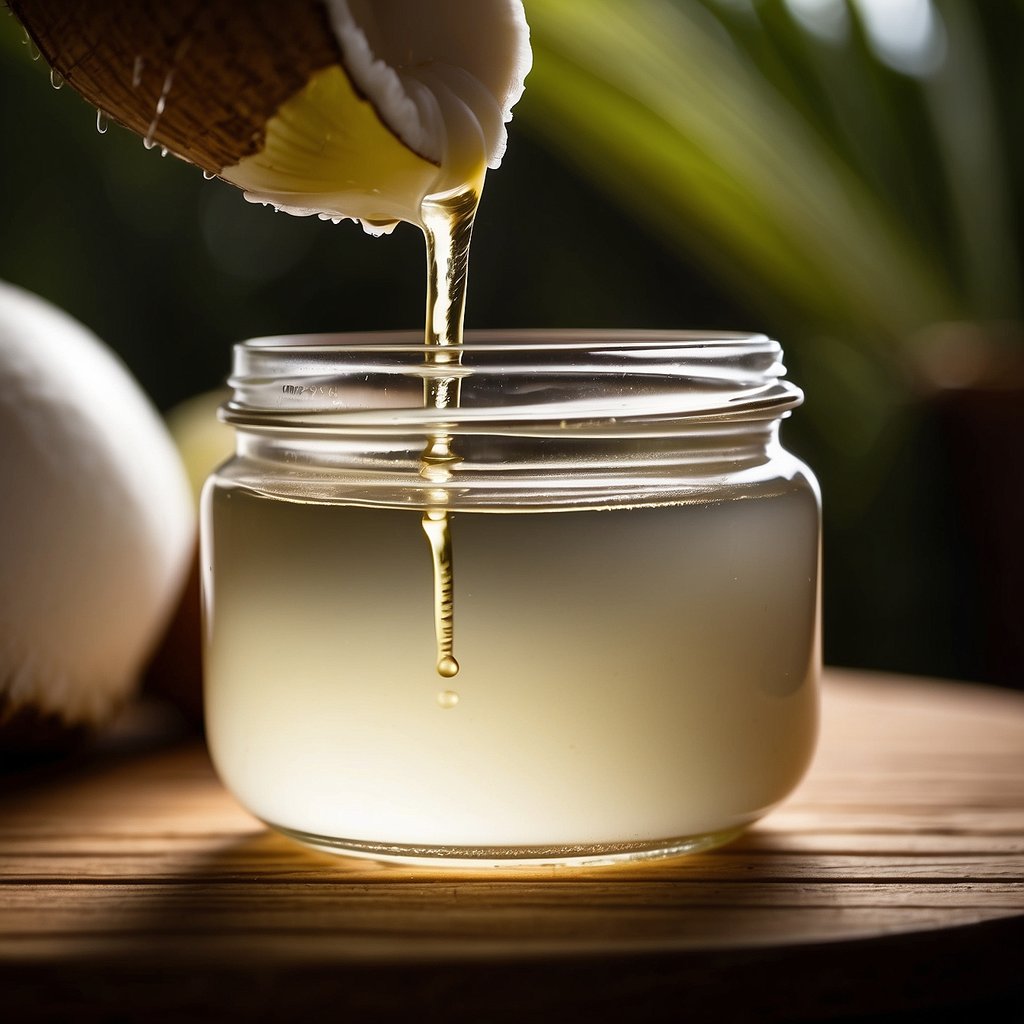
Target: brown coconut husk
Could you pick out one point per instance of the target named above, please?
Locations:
(199, 77)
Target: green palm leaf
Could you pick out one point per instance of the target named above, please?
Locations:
(656, 101)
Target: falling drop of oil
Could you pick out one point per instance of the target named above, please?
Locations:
(101, 122)
(448, 698)
(164, 151)
(137, 72)
(56, 78)
(448, 667)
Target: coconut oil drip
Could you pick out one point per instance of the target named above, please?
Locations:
(448, 228)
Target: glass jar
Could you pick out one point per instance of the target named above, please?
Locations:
(601, 531)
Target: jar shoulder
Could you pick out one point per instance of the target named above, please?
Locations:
(515, 487)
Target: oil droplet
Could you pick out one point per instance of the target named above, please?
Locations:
(56, 78)
(447, 698)
(209, 175)
(164, 151)
(137, 72)
(33, 50)
(101, 122)
(448, 667)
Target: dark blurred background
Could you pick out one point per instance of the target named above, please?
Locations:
(845, 175)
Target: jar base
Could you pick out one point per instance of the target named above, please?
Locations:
(572, 855)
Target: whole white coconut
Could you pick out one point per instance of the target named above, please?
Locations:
(96, 521)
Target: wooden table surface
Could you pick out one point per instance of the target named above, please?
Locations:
(133, 887)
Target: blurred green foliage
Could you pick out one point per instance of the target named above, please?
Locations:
(860, 198)
(674, 163)
(853, 204)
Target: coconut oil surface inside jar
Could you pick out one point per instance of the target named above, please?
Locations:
(637, 585)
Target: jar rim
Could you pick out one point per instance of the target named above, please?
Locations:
(507, 380)
(499, 340)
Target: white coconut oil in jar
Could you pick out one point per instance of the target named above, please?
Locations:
(627, 589)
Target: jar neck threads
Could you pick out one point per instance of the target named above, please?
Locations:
(576, 415)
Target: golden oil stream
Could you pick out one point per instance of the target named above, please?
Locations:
(448, 227)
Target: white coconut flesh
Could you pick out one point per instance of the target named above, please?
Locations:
(417, 109)
(96, 518)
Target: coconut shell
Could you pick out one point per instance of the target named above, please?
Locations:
(200, 78)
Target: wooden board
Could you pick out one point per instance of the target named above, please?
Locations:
(893, 879)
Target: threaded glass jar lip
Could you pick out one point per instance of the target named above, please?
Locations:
(505, 380)
(518, 338)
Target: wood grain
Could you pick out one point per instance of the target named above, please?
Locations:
(893, 879)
